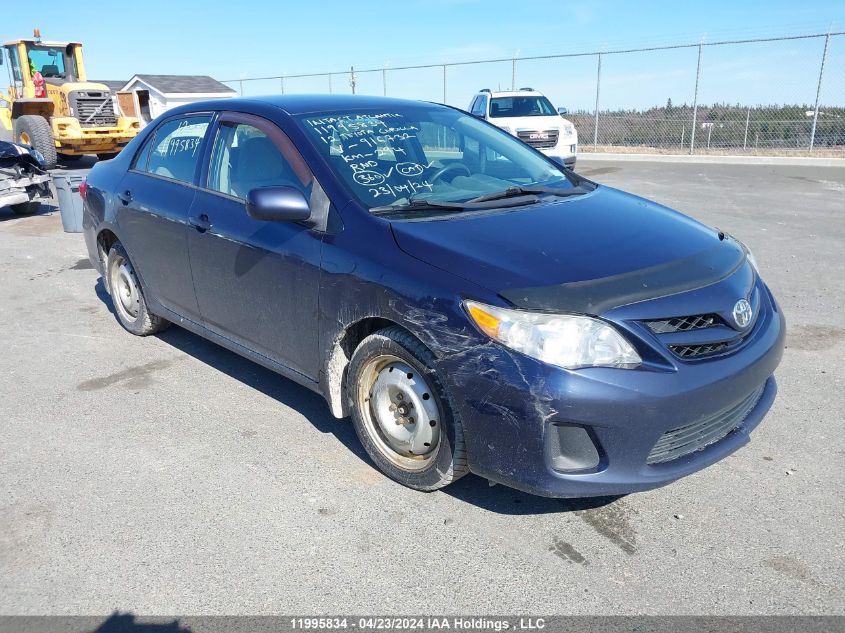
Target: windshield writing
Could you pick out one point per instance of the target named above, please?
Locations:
(431, 154)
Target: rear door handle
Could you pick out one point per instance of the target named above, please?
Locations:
(125, 197)
(201, 222)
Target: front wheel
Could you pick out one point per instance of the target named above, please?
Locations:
(35, 130)
(401, 412)
(128, 297)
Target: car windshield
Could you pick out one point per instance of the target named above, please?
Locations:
(423, 156)
(521, 106)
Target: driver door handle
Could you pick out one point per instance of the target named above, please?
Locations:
(201, 222)
(125, 197)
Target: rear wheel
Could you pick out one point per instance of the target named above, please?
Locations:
(401, 413)
(34, 130)
(26, 208)
(128, 297)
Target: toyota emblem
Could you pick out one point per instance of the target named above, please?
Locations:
(742, 313)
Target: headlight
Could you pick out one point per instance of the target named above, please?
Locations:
(567, 341)
(505, 128)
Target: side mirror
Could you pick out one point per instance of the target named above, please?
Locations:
(277, 204)
(562, 111)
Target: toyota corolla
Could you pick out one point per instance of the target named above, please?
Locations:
(471, 304)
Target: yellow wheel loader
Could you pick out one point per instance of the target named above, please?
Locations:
(51, 106)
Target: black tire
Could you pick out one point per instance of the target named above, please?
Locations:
(130, 307)
(34, 130)
(102, 157)
(26, 208)
(448, 461)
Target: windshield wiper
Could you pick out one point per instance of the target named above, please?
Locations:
(514, 192)
(418, 204)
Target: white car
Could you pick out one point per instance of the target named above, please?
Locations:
(530, 116)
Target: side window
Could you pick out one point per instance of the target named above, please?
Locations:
(475, 107)
(15, 63)
(245, 158)
(174, 149)
(479, 108)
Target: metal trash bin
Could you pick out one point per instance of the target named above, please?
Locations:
(70, 202)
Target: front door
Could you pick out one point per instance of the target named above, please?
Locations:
(256, 282)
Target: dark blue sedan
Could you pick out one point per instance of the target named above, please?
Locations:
(473, 306)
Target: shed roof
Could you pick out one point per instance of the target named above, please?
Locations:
(183, 84)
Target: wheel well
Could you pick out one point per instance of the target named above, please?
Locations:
(106, 240)
(341, 354)
(39, 107)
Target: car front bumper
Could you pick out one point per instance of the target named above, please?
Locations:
(512, 409)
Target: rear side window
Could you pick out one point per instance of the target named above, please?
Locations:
(173, 149)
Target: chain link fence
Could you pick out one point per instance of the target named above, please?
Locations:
(754, 96)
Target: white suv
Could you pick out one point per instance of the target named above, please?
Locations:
(531, 117)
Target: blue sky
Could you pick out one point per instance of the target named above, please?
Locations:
(229, 40)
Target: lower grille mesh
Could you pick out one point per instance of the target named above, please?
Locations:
(693, 437)
(692, 351)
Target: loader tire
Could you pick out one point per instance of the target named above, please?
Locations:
(34, 130)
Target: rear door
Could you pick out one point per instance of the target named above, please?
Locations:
(256, 282)
(154, 198)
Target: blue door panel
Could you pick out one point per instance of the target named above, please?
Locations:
(152, 214)
(256, 282)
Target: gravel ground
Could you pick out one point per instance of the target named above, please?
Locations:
(166, 475)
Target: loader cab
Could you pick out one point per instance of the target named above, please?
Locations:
(58, 63)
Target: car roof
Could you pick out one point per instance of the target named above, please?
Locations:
(311, 103)
(512, 93)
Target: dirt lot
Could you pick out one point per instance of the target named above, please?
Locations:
(166, 475)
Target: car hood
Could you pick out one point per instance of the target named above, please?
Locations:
(585, 254)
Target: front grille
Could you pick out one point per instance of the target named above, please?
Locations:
(93, 109)
(541, 139)
(683, 324)
(696, 351)
(699, 336)
(696, 436)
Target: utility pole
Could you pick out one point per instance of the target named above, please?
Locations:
(818, 91)
(352, 78)
(598, 92)
(695, 102)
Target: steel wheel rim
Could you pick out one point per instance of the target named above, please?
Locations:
(400, 411)
(125, 291)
